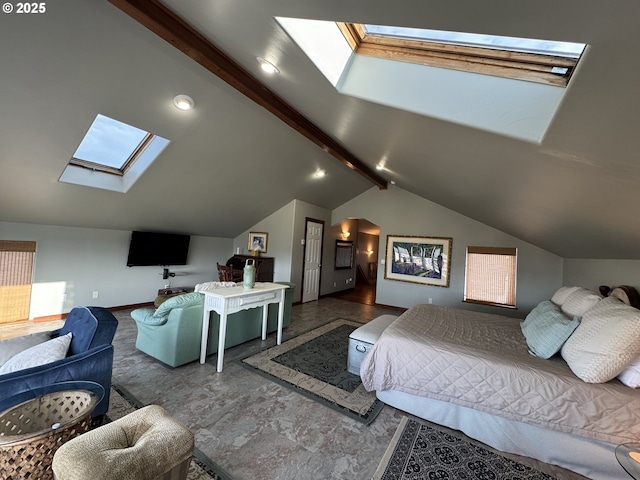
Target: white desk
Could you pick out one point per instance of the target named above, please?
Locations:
(226, 301)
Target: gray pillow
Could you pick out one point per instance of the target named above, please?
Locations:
(13, 346)
(41, 354)
(546, 329)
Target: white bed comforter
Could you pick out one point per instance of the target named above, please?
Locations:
(481, 361)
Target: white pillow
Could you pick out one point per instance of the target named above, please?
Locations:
(630, 376)
(562, 293)
(579, 301)
(605, 342)
(13, 346)
(47, 352)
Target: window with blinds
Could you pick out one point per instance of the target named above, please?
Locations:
(490, 276)
(16, 273)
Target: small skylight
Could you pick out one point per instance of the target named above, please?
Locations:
(110, 143)
(112, 155)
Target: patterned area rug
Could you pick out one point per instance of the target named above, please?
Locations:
(315, 365)
(122, 403)
(419, 451)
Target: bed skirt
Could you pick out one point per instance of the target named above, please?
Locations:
(593, 459)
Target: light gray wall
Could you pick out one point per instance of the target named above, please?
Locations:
(286, 229)
(71, 263)
(399, 212)
(593, 273)
(279, 229)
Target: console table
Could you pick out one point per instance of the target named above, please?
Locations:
(226, 301)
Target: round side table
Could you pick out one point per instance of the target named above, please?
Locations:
(628, 456)
(32, 431)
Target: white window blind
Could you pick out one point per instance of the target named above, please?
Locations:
(16, 271)
(491, 276)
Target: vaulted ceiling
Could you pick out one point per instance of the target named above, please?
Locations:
(232, 162)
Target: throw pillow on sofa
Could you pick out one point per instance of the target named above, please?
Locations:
(47, 352)
(13, 346)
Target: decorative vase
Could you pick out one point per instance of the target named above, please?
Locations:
(255, 253)
(249, 277)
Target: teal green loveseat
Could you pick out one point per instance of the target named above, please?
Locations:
(173, 333)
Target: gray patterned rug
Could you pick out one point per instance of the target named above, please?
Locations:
(419, 451)
(315, 365)
(122, 403)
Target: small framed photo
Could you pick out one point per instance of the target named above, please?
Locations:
(258, 242)
(425, 260)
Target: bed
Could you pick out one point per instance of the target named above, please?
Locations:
(477, 373)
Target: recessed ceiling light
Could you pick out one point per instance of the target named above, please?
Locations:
(183, 102)
(267, 66)
(320, 173)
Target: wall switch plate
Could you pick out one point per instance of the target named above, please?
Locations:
(95, 294)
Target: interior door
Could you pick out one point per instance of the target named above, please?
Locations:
(312, 261)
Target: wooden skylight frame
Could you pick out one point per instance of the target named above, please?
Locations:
(533, 67)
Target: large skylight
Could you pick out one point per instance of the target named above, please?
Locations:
(535, 60)
(112, 155)
(545, 47)
(513, 92)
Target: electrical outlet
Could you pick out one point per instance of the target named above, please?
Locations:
(64, 297)
(334, 284)
(430, 300)
(95, 294)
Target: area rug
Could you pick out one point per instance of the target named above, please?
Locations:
(122, 403)
(314, 364)
(419, 451)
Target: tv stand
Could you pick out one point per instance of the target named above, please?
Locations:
(174, 290)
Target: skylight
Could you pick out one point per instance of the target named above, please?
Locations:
(110, 143)
(515, 44)
(112, 155)
(508, 86)
(536, 60)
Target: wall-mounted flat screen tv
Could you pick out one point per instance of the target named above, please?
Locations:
(152, 248)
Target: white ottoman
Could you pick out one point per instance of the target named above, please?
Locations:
(362, 339)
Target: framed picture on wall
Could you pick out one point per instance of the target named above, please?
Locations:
(425, 260)
(258, 242)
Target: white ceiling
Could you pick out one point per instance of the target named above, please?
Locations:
(231, 163)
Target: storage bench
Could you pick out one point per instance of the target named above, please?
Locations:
(362, 339)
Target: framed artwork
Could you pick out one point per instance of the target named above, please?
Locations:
(258, 241)
(425, 260)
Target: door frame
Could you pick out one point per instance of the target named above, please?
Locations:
(304, 252)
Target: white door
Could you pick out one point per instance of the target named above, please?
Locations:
(312, 259)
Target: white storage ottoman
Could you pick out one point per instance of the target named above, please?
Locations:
(362, 339)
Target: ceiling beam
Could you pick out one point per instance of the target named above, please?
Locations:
(168, 26)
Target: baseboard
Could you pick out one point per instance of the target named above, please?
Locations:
(62, 316)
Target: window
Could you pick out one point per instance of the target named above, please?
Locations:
(112, 155)
(490, 277)
(16, 271)
(541, 61)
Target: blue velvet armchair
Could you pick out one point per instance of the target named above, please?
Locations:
(90, 358)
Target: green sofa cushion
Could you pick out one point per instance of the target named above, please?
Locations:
(179, 301)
